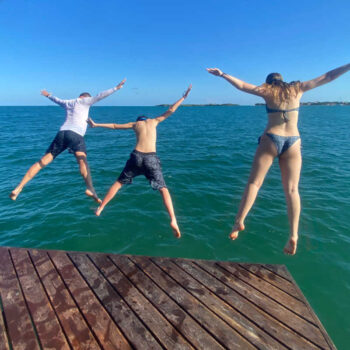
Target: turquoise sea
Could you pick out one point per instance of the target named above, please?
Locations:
(206, 154)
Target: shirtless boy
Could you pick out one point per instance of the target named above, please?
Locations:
(71, 136)
(143, 159)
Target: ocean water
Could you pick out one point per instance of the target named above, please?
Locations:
(206, 154)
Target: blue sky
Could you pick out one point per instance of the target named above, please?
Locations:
(68, 47)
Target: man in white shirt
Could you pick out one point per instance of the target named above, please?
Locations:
(71, 136)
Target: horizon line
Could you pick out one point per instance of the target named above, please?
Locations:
(199, 104)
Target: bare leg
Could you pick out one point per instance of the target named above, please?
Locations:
(264, 156)
(33, 170)
(169, 207)
(290, 164)
(109, 196)
(85, 173)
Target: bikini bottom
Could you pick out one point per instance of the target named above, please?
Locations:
(282, 143)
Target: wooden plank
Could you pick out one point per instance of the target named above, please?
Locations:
(157, 324)
(282, 271)
(134, 330)
(307, 330)
(104, 328)
(4, 345)
(263, 324)
(219, 329)
(278, 269)
(47, 326)
(237, 320)
(178, 317)
(20, 327)
(292, 303)
(72, 321)
(271, 277)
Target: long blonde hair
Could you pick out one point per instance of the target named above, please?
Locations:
(280, 90)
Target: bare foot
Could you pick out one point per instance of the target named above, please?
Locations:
(98, 211)
(238, 226)
(291, 246)
(93, 195)
(13, 195)
(175, 229)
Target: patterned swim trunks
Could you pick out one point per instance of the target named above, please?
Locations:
(147, 164)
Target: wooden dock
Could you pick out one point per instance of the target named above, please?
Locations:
(71, 300)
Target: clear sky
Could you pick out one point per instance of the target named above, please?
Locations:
(72, 46)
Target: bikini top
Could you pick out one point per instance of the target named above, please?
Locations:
(283, 111)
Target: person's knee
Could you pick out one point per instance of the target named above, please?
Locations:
(255, 183)
(80, 156)
(43, 162)
(292, 190)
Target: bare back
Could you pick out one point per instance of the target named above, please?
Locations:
(276, 123)
(146, 135)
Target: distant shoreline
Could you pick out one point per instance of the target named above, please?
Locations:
(335, 103)
(327, 103)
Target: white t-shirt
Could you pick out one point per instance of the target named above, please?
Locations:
(77, 110)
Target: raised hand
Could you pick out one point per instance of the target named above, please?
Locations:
(91, 123)
(45, 93)
(215, 71)
(187, 91)
(120, 85)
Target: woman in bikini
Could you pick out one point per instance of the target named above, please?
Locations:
(280, 139)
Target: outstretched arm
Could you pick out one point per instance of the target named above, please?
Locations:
(237, 83)
(91, 100)
(325, 78)
(111, 126)
(173, 107)
(62, 103)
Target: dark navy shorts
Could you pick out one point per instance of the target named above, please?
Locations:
(147, 164)
(67, 139)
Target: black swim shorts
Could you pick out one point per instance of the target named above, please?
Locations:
(147, 164)
(67, 139)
